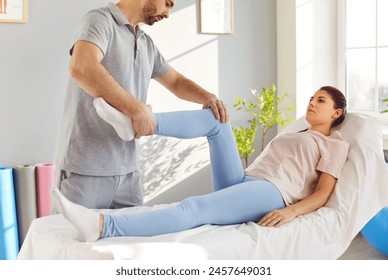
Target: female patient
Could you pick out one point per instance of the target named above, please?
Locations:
(294, 175)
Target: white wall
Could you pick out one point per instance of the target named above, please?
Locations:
(227, 65)
(33, 76)
(307, 48)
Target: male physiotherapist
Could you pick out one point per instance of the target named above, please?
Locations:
(113, 58)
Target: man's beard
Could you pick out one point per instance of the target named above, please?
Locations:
(149, 12)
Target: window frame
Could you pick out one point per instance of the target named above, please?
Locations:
(341, 59)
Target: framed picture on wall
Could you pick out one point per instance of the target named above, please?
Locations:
(216, 16)
(13, 11)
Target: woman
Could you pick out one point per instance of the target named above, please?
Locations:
(295, 175)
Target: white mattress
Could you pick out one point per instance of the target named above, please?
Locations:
(324, 234)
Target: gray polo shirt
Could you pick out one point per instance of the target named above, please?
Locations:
(87, 144)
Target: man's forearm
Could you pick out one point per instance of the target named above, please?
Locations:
(98, 82)
(184, 88)
(188, 90)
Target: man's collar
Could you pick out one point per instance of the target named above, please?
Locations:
(117, 14)
(121, 19)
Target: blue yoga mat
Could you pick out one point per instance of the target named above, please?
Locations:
(9, 244)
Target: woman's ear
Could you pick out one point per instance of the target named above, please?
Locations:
(338, 112)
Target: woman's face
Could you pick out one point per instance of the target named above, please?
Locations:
(320, 110)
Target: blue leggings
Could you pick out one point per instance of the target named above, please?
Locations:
(237, 198)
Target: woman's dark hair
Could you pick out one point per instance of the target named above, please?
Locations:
(339, 102)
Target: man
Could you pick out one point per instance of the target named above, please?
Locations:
(114, 59)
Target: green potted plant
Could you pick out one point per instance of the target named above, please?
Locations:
(385, 101)
(265, 113)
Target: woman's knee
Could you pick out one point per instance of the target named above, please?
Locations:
(219, 127)
(189, 205)
(190, 208)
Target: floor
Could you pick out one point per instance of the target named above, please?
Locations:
(360, 249)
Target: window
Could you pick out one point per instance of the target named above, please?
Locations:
(365, 54)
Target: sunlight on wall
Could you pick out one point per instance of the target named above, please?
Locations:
(194, 55)
(307, 48)
(166, 162)
(304, 54)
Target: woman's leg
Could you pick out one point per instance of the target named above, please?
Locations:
(86, 221)
(225, 160)
(226, 165)
(245, 202)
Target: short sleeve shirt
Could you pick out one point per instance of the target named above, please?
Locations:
(87, 144)
(294, 161)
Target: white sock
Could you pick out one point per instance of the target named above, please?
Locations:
(120, 122)
(86, 221)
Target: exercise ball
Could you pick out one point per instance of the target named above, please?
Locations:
(376, 231)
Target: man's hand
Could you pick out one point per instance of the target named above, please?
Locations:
(219, 109)
(143, 121)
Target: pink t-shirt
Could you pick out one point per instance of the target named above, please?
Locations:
(294, 161)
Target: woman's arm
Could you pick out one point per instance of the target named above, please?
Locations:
(325, 187)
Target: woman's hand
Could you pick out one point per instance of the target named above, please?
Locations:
(278, 217)
(314, 201)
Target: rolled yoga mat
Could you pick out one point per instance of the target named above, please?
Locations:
(45, 173)
(25, 193)
(9, 244)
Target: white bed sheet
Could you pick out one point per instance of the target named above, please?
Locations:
(360, 193)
